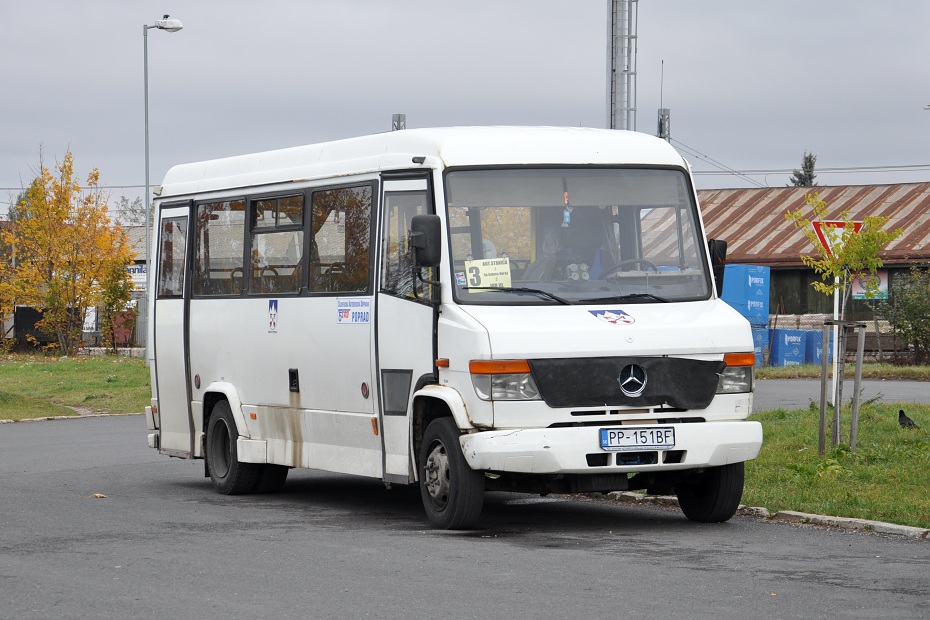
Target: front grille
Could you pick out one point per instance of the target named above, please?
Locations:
(593, 382)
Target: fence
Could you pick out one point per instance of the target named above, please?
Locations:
(793, 339)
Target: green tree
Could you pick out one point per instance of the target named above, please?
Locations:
(851, 255)
(848, 255)
(907, 309)
(63, 250)
(130, 213)
(805, 176)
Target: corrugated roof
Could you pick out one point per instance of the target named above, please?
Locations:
(753, 223)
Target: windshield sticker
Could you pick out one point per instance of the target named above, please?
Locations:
(460, 278)
(488, 273)
(353, 311)
(614, 317)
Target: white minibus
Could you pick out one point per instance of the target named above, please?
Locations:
(465, 309)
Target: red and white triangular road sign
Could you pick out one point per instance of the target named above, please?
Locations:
(826, 238)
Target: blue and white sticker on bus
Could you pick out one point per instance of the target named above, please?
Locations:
(614, 317)
(272, 316)
(354, 311)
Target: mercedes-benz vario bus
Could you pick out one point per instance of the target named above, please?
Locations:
(464, 309)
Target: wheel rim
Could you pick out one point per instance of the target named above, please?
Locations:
(219, 449)
(437, 478)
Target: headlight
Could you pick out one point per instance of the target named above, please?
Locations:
(505, 387)
(736, 378)
(503, 380)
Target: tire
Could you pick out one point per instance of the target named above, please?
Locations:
(270, 478)
(452, 492)
(713, 496)
(229, 476)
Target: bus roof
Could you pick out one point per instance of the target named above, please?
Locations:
(441, 147)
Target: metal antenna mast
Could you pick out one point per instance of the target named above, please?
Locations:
(621, 64)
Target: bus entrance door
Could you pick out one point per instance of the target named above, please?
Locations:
(405, 324)
(170, 335)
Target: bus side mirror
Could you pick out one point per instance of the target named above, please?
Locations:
(718, 260)
(425, 239)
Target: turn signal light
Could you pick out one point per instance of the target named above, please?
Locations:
(740, 359)
(498, 367)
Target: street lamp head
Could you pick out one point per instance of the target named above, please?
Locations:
(166, 23)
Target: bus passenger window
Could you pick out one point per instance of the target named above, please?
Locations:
(171, 253)
(277, 244)
(218, 243)
(340, 225)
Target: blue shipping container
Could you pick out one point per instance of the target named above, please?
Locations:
(789, 347)
(760, 343)
(814, 352)
(746, 289)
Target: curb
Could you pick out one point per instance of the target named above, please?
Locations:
(790, 516)
(82, 416)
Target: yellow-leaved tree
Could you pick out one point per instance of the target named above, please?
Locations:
(66, 254)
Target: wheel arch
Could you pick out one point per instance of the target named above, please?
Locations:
(220, 391)
(432, 402)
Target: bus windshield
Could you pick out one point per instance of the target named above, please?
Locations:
(574, 236)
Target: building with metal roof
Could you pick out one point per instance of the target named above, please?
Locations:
(753, 223)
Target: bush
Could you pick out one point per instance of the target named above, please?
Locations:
(907, 311)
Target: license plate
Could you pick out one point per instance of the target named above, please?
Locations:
(641, 438)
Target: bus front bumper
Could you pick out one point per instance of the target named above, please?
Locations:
(577, 450)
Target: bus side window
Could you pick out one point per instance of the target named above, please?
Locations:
(171, 257)
(340, 225)
(277, 245)
(218, 248)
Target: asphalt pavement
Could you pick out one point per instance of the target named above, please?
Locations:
(94, 524)
(800, 393)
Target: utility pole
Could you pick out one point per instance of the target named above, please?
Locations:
(621, 64)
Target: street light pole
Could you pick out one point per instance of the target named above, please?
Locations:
(169, 25)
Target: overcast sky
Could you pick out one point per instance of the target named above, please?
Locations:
(751, 85)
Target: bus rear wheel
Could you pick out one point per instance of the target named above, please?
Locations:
(714, 495)
(452, 492)
(229, 476)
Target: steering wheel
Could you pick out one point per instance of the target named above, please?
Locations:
(648, 264)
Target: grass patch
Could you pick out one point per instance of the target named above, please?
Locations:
(38, 387)
(17, 407)
(869, 371)
(885, 479)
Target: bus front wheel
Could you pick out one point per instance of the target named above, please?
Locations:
(229, 476)
(452, 492)
(714, 495)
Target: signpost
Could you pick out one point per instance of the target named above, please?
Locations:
(830, 233)
(827, 231)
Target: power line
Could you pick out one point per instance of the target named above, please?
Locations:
(713, 162)
(840, 170)
(724, 170)
(19, 189)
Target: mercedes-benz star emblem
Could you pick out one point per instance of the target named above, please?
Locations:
(632, 380)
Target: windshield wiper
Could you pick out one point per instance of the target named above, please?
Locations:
(631, 297)
(520, 289)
